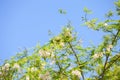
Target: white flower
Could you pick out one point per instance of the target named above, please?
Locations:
(0, 73)
(47, 53)
(98, 55)
(41, 52)
(44, 53)
(109, 48)
(16, 66)
(62, 44)
(3, 68)
(65, 57)
(105, 24)
(27, 78)
(77, 73)
(33, 69)
(52, 55)
(67, 29)
(95, 56)
(40, 75)
(6, 66)
(45, 76)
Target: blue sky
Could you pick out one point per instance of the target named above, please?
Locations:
(25, 22)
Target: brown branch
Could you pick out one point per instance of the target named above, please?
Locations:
(101, 76)
(104, 68)
(75, 54)
(115, 37)
(113, 61)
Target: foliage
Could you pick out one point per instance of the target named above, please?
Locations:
(64, 57)
(61, 11)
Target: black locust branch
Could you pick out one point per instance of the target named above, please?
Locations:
(75, 54)
(101, 76)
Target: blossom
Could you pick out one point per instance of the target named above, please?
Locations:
(0, 73)
(27, 78)
(105, 24)
(95, 56)
(109, 47)
(98, 55)
(62, 44)
(33, 69)
(77, 73)
(65, 57)
(6, 66)
(52, 55)
(16, 66)
(44, 53)
(45, 76)
(67, 29)
(47, 53)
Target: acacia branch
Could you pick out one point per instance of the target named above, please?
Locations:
(104, 68)
(112, 62)
(58, 64)
(75, 54)
(115, 37)
(101, 76)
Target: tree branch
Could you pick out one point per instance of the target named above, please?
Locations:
(101, 76)
(75, 54)
(115, 37)
(58, 64)
(113, 61)
(104, 68)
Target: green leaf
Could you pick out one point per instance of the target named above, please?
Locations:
(86, 10)
(61, 11)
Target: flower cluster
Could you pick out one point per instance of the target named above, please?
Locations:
(98, 55)
(0, 73)
(77, 73)
(67, 35)
(27, 78)
(6, 67)
(16, 66)
(45, 76)
(44, 53)
(33, 69)
(109, 47)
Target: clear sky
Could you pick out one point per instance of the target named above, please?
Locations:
(25, 22)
